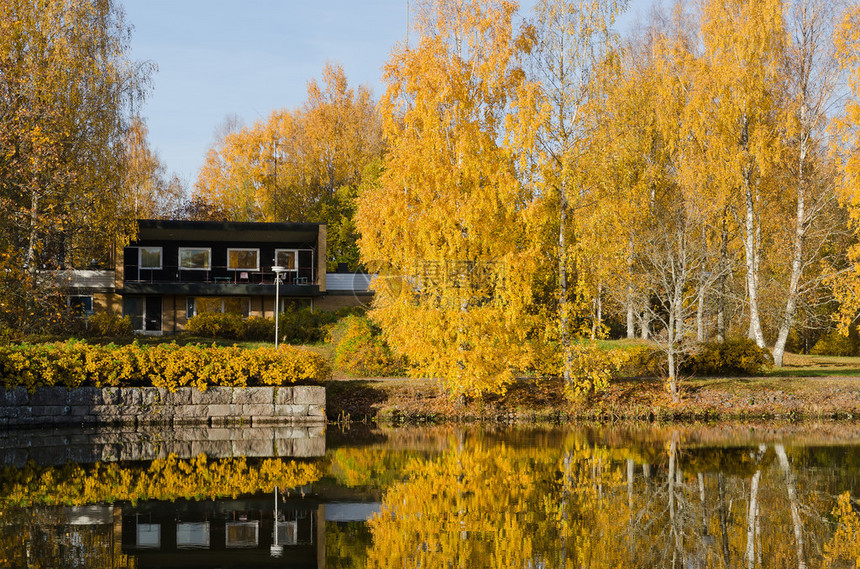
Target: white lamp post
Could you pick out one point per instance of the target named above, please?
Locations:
(278, 270)
(276, 550)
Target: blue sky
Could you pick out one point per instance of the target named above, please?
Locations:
(218, 58)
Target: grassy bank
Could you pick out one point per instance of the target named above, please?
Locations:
(808, 387)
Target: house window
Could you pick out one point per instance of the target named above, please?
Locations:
(149, 536)
(149, 257)
(192, 535)
(243, 259)
(287, 258)
(80, 304)
(195, 258)
(242, 534)
(224, 304)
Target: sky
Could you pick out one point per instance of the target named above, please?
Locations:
(223, 58)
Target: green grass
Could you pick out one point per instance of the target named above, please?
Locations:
(801, 365)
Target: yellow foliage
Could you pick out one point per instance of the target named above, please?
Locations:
(73, 364)
(443, 226)
(845, 544)
(164, 479)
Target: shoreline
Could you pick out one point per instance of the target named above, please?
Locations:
(792, 399)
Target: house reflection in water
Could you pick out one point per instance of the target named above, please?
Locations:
(225, 533)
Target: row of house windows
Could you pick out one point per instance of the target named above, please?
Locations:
(200, 258)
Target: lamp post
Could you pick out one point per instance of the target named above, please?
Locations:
(276, 550)
(278, 270)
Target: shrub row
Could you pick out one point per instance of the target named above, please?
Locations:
(295, 325)
(735, 356)
(167, 478)
(73, 364)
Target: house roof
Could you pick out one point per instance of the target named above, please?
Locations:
(150, 229)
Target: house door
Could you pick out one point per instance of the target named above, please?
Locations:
(152, 315)
(145, 312)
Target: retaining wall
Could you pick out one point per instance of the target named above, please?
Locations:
(56, 447)
(217, 406)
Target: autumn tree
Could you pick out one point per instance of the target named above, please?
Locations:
(299, 165)
(845, 144)
(150, 193)
(743, 89)
(444, 224)
(66, 88)
(571, 38)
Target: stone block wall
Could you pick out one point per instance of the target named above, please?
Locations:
(56, 447)
(218, 406)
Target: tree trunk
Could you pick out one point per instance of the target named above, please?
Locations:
(644, 325)
(797, 253)
(792, 500)
(723, 268)
(752, 515)
(631, 315)
(563, 300)
(631, 321)
(751, 238)
(30, 261)
(597, 323)
(700, 316)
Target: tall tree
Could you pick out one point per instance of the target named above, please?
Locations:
(446, 218)
(572, 37)
(300, 165)
(743, 87)
(66, 89)
(813, 77)
(150, 192)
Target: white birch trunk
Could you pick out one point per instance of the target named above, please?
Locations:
(796, 522)
(751, 238)
(752, 514)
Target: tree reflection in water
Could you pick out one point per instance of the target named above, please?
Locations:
(585, 504)
(649, 497)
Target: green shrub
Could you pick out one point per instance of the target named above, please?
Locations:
(216, 325)
(109, 324)
(73, 364)
(295, 325)
(834, 344)
(736, 356)
(359, 349)
(259, 329)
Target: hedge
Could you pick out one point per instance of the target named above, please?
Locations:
(75, 364)
(295, 325)
(167, 478)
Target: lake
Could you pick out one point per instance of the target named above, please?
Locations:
(434, 496)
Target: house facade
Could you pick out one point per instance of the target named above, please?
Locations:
(177, 269)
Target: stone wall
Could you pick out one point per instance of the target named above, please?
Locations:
(218, 406)
(87, 445)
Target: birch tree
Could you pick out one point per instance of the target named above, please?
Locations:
(444, 225)
(813, 77)
(66, 92)
(572, 38)
(744, 43)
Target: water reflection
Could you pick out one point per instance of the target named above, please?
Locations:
(451, 497)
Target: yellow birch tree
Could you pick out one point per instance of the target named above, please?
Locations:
(66, 91)
(444, 225)
(299, 165)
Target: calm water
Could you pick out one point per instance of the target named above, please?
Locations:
(711, 496)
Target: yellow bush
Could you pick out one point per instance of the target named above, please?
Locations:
(72, 364)
(164, 479)
(592, 369)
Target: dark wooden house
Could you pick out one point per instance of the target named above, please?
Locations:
(177, 269)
